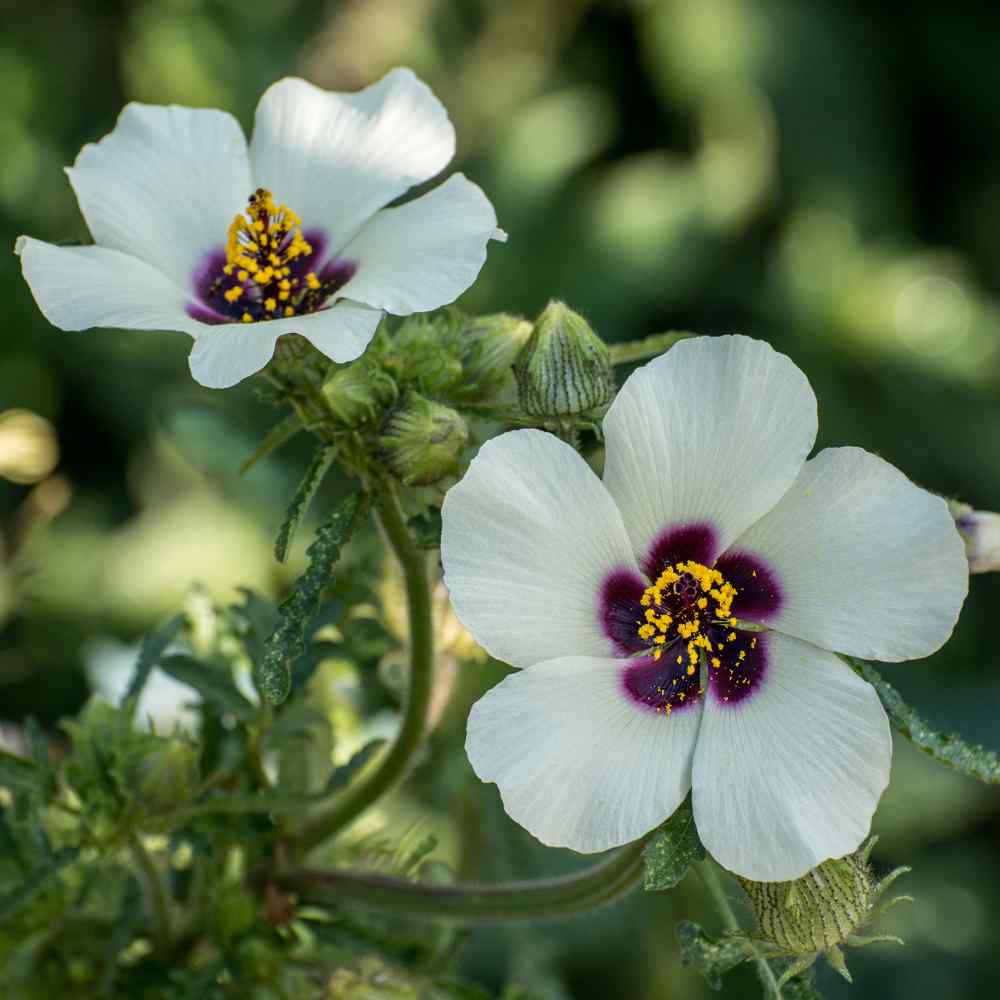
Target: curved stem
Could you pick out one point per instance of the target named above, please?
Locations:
(393, 766)
(710, 876)
(474, 902)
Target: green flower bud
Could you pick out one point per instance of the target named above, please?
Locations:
(356, 393)
(823, 910)
(489, 347)
(422, 441)
(980, 530)
(564, 368)
(166, 774)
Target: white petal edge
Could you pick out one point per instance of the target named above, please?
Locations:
(791, 776)
(578, 764)
(869, 563)
(164, 185)
(78, 288)
(715, 430)
(230, 352)
(337, 158)
(425, 253)
(528, 537)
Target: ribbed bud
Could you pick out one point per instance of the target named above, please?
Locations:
(980, 530)
(167, 774)
(422, 441)
(822, 911)
(564, 368)
(489, 345)
(356, 393)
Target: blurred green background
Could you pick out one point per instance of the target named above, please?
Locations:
(823, 175)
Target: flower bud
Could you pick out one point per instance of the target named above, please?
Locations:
(421, 441)
(564, 368)
(980, 530)
(823, 910)
(489, 347)
(355, 393)
(167, 774)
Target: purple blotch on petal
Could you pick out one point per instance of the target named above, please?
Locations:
(205, 315)
(743, 665)
(679, 543)
(758, 592)
(619, 610)
(336, 273)
(661, 684)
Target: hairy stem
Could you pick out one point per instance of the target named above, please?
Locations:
(156, 892)
(710, 876)
(474, 902)
(392, 767)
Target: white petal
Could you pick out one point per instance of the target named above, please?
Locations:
(528, 537)
(226, 354)
(791, 775)
(425, 253)
(716, 430)
(336, 158)
(164, 185)
(579, 764)
(868, 563)
(77, 288)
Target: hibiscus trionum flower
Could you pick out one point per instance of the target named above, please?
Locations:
(236, 246)
(678, 623)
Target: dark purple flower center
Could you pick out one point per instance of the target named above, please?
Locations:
(267, 270)
(694, 623)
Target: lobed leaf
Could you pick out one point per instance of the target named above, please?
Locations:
(712, 958)
(672, 850)
(273, 675)
(214, 685)
(153, 647)
(318, 468)
(37, 879)
(948, 748)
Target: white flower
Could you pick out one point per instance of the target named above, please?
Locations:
(313, 251)
(676, 622)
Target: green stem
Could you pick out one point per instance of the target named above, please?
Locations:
(473, 902)
(648, 347)
(710, 876)
(156, 892)
(393, 766)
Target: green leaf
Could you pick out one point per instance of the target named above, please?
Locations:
(801, 987)
(19, 775)
(712, 958)
(426, 528)
(948, 748)
(213, 684)
(318, 468)
(13, 902)
(153, 647)
(281, 432)
(273, 675)
(258, 618)
(672, 851)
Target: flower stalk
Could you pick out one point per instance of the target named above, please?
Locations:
(392, 768)
(473, 902)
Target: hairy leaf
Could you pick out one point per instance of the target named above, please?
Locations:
(273, 675)
(318, 468)
(36, 880)
(948, 748)
(673, 849)
(712, 958)
(153, 647)
(281, 432)
(213, 684)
